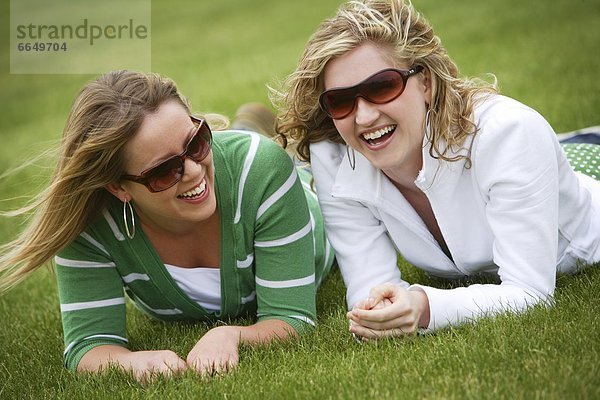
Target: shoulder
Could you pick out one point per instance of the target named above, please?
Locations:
(250, 166)
(507, 125)
(246, 146)
(502, 115)
(513, 142)
(100, 237)
(326, 155)
(327, 150)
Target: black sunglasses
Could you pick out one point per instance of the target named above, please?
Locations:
(168, 173)
(380, 88)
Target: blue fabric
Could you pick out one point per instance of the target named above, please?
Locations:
(593, 138)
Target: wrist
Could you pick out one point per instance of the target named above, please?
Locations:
(422, 302)
(230, 331)
(102, 356)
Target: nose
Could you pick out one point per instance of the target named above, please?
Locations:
(365, 113)
(192, 169)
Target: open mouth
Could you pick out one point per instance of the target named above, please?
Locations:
(195, 192)
(379, 136)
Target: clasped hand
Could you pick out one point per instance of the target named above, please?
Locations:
(391, 310)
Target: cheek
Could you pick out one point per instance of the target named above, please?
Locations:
(209, 167)
(208, 164)
(135, 190)
(147, 200)
(344, 128)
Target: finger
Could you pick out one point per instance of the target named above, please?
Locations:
(380, 314)
(147, 376)
(382, 304)
(143, 377)
(374, 334)
(392, 320)
(233, 361)
(176, 365)
(220, 367)
(201, 365)
(362, 304)
(198, 362)
(153, 372)
(401, 322)
(380, 292)
(213, 366)
(357, 339)
(224, 364)
(407, 325)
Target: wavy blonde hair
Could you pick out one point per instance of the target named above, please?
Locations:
(393, 25)
(106, 114)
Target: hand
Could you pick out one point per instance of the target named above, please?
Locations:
(390, 310)
(145, 365)
(216, 351)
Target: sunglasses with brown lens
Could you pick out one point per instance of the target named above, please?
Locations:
(166, 174)
(380, 88)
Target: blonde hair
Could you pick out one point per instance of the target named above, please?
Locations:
(106, 114)
(398, 27)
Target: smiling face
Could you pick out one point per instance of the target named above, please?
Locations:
(389, 135)
(161, 136)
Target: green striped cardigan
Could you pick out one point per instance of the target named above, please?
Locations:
(273, 254)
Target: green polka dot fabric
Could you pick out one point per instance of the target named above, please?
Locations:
(584, 158)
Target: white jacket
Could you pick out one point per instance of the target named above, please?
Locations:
(520, 212)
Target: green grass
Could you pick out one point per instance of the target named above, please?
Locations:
(222, 54)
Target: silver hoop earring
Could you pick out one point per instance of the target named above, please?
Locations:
(427, 125)
(130, 233)
(353, 161)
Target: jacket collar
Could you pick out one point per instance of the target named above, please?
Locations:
(363, 183)
(367, 184)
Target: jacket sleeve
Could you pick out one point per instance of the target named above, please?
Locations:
(284, 248)
(92, 302)
(516, 170)
(364, 251)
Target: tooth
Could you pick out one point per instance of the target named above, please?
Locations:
(195, 191)
(377, 134)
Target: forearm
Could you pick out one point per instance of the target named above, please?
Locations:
(217, 350)
(101, 357)
(454, 306)
(265, 331)
(143, 364)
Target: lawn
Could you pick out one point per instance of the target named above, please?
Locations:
(224, 53)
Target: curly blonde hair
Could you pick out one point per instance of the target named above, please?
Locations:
(106, 114)
(393, 25)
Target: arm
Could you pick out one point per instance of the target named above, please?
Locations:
(364, 252)
(515, 170)
(218, 349)
(515, 167)
(143, 364)
(92, 302)
(276, 212)
(93, 314)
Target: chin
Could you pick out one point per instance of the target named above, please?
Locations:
(385, 162)
(210, 207)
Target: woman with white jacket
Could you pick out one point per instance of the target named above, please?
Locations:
(409, 157)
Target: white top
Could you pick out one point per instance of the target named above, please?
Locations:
(519, 212)
(202, 285)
